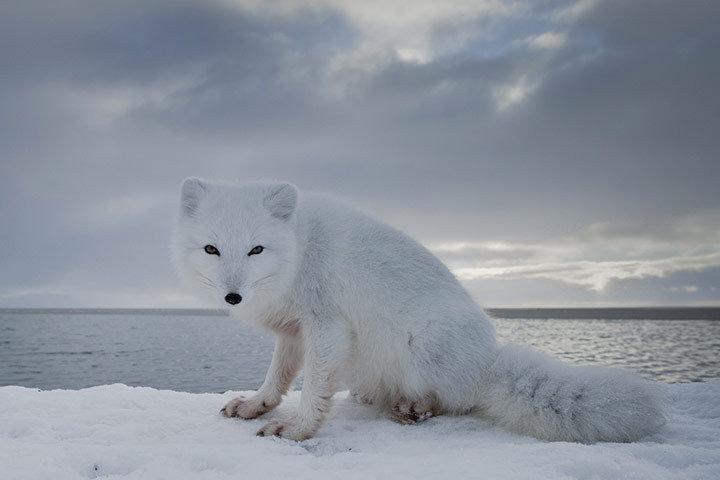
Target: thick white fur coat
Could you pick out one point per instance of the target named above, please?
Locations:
(357, 304)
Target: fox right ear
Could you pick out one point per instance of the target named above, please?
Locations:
(281, 200)
(193, 190)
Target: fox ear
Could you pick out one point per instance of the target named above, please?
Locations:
(193, 190)
(281, 200)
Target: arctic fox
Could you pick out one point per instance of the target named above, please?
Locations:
(356, 303)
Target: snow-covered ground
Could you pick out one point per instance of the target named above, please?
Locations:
(115, 431)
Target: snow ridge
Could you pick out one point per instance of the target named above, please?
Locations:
(121, 432)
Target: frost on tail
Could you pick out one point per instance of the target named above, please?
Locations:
(533, 394)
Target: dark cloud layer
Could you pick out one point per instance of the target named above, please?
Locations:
(590, 126)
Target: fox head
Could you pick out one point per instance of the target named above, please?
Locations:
(237, 243)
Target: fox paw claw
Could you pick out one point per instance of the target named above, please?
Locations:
(247, 408)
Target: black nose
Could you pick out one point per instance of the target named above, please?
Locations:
(233, 298)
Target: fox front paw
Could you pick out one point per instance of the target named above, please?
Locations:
(290, 429)
(247, 408)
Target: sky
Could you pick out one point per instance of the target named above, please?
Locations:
(552, 153)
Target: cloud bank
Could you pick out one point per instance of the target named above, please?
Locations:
(560, 152)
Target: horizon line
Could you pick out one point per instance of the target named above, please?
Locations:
(564, 313)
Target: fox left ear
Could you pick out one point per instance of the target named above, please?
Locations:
(281, 200)
(193, 190)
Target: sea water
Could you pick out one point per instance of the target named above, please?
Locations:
(211, 352)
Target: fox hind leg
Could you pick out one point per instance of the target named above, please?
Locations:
(410, 412)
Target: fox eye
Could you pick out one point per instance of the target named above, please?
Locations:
(211, 250)
(256, 250)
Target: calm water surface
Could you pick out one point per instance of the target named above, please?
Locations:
(211, 353)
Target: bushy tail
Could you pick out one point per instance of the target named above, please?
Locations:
(530, 393)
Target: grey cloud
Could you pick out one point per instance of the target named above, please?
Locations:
(683, 288)
(105, 102)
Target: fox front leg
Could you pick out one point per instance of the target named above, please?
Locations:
(285, 365)
(323, 356)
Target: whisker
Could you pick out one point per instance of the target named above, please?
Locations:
(260, 286)
(206, 281)
(263, 278)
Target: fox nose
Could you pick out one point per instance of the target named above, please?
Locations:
(233, 298)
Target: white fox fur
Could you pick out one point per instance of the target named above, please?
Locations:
(358, 304)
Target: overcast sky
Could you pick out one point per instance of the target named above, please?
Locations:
(553, 153)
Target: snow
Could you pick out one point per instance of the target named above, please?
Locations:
(121, 432)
